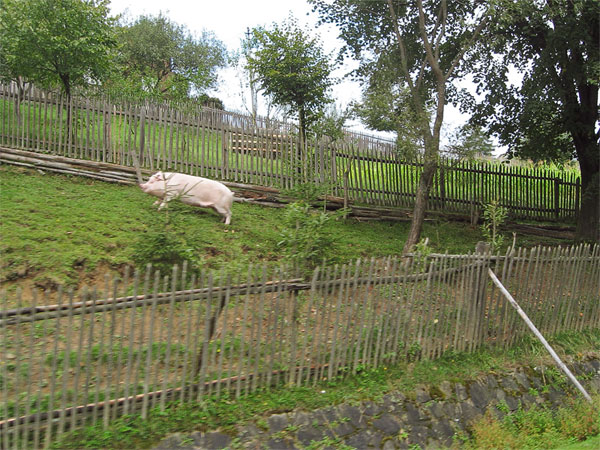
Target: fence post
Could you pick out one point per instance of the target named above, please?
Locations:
(556, 198)
(442, 181)
(482, 262)
(539, 335)
(577, 197)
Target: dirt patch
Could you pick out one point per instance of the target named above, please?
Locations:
(46, 289)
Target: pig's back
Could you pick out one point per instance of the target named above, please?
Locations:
(203, 189)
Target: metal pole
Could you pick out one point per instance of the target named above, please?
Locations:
(533, 328)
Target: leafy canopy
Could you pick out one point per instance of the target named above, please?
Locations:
(56, 42)
(162, 59)
(291, 67)
(554, 46)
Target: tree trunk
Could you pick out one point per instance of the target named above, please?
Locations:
(302, 141)
(421, 200)
(588, 223)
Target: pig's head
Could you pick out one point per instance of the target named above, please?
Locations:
(155, 185)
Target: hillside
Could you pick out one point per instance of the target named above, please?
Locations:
(70, 230)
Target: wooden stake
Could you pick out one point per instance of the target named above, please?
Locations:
(533, 328)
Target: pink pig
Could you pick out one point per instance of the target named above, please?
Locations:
(195, 191)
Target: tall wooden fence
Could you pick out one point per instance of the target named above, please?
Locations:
(234, 147)
(147, 339)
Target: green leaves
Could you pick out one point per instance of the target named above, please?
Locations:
(162, 59)
(291, 67)
(56, 42)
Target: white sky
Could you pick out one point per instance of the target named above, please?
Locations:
(229, 19)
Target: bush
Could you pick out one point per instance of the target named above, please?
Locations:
(305, 241)
(163, 249)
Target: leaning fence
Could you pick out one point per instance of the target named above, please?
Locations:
(72, 358)
(233, 147)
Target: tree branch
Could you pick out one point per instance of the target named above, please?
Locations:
(465, 47)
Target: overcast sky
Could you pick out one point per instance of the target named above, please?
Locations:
(229, 19)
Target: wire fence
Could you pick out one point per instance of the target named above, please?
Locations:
(148, 339)
(233, 147)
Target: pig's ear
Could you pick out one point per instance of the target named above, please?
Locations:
(159, 177)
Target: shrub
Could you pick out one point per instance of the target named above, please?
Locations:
(163, 249)
(494, 216)
(305, 241)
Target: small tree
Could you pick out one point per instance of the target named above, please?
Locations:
(162, 59)
(494, 216)
(470, 142)
(291, 67)
(56, 42)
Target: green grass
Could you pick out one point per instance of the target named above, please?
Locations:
(538, 427)
(227, 412)
(591, 444)
(180, 143)
(61, 229)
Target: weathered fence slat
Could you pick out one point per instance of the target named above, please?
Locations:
(186, 338)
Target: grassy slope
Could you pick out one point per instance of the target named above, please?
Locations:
(54, 228)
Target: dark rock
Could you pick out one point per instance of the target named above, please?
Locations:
(537, 382)
(527, 400)
(280, 444)
(513, 403)
(308, 434)
(418, 435)
(352, 413)
(365, 439)
(301, 418)
(174, 442)
(422, 396)
(343, 429)
(491, 382)
(520, 378)
(578, 369)
(555, 396)
(372, 409)
(443, 432)
(358, 440)
(414, 416)
(509, 384)
(278, 422)
(327, 414)
(446, 389)
(452, 410)
(461, 392)
(211, 441)
(589, 368)
(437, 409)
(389, 445)
(392, 402)
(479, 395)
(469, 412)
(388, 424)
(249, 433)
(594, 383)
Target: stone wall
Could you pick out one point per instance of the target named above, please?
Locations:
(429, 417)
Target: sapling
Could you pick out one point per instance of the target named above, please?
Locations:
(494, 216)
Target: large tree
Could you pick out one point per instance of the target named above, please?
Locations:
(386, 106)
(551, 113)
(164, 60)
(291, 67)
(50, 42)
(426, 42)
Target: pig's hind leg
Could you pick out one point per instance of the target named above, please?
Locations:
(225, 212)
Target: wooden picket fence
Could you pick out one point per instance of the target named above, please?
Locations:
(68, 359)
(235, 147)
